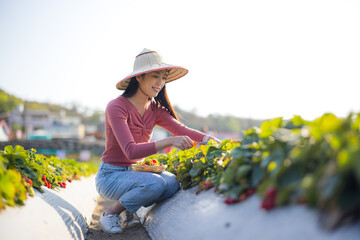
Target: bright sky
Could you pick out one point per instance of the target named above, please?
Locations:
(246, 58)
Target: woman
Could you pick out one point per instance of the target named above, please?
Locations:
(129, 122)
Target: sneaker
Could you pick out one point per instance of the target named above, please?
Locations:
(129, 221)
(110, 223)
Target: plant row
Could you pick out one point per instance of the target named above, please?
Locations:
(284, 162)
(23, 170)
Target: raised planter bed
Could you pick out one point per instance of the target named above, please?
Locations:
(205, 216)
(63, 214)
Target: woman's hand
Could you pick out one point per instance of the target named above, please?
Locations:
(209, 137)
(181, 142)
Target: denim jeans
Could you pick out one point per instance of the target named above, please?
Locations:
(134, 189)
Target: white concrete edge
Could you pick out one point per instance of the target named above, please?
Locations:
(205, 216)
(55, 214)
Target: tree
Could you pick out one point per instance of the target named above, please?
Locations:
(8, 102)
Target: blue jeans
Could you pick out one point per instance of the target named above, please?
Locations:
(134, 189)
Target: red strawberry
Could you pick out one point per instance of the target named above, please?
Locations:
(269, 201)
(268, 204)
(28, 181)
(230, 200)
(197, 192)
(271, 192)
(250, 191)
(243, 197)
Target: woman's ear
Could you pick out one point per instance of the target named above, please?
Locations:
(139, 77)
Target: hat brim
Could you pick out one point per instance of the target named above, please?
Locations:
(176, 72)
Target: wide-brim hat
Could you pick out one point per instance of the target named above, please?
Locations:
(148, 61)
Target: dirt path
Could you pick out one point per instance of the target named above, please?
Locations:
(95, 232)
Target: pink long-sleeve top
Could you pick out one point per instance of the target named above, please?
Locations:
(128, 134)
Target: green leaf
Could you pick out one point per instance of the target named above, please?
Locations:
(242, 171)
(18, 149)
(7, 187)
(194, 171)
(237, 153)
(213, 152)
(229, 175)
(290, 175)
(9, 149)
(268, 127)
(257, 175)
(329, 122)
(349, 197)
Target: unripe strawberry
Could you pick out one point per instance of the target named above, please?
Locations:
(31, 192)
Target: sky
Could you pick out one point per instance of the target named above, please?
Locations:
(256, 59)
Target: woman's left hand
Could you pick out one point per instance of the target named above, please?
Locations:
(209, 137)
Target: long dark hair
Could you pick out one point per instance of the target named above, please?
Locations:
(162, 98)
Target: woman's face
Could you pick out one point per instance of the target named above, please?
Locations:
(151, 83)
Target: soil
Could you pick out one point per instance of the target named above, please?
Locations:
(95, 232)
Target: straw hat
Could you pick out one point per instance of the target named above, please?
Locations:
(149, 61)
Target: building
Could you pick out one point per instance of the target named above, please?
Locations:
(42, 124)
(4, 131)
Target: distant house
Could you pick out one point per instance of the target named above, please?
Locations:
(32, 120)
(41, 124)
(4, 131)
(65, 126)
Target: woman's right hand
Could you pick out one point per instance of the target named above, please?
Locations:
(181, 142)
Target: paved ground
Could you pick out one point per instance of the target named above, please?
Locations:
(95, 232)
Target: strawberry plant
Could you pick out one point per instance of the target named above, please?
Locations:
(23, 170)
(284, 162)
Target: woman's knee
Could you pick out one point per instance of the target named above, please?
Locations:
(156, 185)
(173, 183)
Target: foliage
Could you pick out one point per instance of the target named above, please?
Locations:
(8, 102)
(23, 170)
(315, 163)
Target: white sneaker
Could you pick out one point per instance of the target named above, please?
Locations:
(110, 223)
(129, 220)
